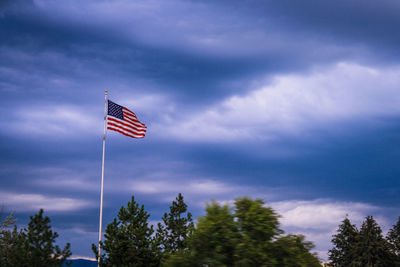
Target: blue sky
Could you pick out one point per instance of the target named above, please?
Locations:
(294, 102)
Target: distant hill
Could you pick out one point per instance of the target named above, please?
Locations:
(82, 263)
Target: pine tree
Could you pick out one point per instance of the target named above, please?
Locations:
(33, 246)
(372, 250)
(344, 244)
(176, 227)
(128, 239)
(40, 243)
(8, 221)
(393, 237)
(7, 239)
(13, 248)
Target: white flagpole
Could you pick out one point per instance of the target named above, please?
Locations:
(102, 174)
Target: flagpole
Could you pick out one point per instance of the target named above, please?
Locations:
(102, 174)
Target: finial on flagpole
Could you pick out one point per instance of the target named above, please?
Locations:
(106, 91)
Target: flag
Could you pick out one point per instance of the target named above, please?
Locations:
(122, 120)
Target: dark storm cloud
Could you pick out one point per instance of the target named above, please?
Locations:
(87, 57)
(88, 53)
(365, 23)
(348, 162)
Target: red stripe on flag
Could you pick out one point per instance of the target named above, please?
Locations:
(114, 125)
(129, 117)
(125, 133)
(125, 124)
(129, 112)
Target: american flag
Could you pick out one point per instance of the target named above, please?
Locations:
(122, 120)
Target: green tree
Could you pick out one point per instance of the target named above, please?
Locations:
(294, 251)
(33, 246)
(249, 236)
(258, 225)
(13, 248)
(393, 237)
(6, 240)
(177, 226)
(344, 243)
(372, 250)
(213, 242)
(128, 239)
(8, 221)
(40, 243)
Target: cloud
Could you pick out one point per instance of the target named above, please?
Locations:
(195, 58)
(343, 20)
(34, 202)
(202, 28)
(319, 219)
(291, 104)
(54, 121)
(172, 24)
(208, 187)
(65, 178)
(197, 191)
(302, 214)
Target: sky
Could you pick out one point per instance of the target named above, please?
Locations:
(292, 102)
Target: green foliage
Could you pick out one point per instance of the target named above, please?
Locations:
(258, 225)
(249, 235)
(6, 237)
(40, 242)
(172, 234)
(129, 240)
(364, 248)
(7, 221)
(214, 240)
(372, 249)
(12, 248)
(32, 246)
(293, 250)
(344, 243)
(183, 258)
(394, 238)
